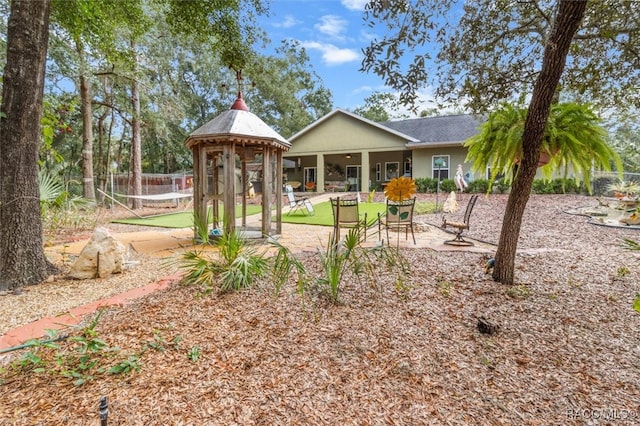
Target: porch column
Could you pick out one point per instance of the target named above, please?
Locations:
(320, 173)
(364, 161)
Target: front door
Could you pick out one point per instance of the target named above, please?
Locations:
(353, 177)
(310, 176)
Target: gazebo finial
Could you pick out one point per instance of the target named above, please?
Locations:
(239, 103)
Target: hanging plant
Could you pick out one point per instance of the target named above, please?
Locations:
(334, 169)
(573, 140)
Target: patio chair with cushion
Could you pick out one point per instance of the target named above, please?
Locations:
(346, 215)
(302, 204)
(399, 214)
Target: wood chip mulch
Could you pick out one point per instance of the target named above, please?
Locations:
(564, 346)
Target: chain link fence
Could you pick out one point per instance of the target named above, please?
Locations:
(600, 181)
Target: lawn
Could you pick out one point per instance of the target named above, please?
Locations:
(177, 220)
(323, 216)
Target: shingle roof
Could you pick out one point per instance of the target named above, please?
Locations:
(238, 123)
(447, 129)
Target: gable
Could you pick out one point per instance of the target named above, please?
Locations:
(340, 131)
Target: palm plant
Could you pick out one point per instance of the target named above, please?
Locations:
(235, 264)
(573, 140)
(339, 258)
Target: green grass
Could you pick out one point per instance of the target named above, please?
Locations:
(324, 215)
(178, 220)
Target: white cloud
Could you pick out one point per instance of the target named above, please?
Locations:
(424, 101)
(354, 4)
(331, 54)
(332, 25)
(367, 36)
(289, 21)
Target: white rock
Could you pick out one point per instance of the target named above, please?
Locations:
(102, 256)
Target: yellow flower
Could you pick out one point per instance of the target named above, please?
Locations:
(401, 188)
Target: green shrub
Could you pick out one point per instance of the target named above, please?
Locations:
(448, 185)
(235, 266)
(555, 186)
(478, 186)
(376, 186)
(541, 186)
(501, 186)
(426, 185)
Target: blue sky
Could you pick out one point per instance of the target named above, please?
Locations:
(333, 34)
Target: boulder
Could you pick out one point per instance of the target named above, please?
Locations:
(102, 256)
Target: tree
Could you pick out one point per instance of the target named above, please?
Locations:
(22, 258)
(483, 52)
(475, 54)
(573, 140)
(380, 107)
(285, 92)
(92, 28)
(568, 20)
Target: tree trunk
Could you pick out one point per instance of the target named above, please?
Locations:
(88, 184)
(22, 258)
(568, 20)
(136, 141)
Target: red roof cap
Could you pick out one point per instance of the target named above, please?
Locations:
(239, 104)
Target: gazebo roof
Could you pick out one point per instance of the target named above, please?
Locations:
(238, 125)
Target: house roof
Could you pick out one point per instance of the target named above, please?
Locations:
(446, 130)
(238, 124)
(337, 111)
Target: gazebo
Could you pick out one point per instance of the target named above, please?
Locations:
(234, 137)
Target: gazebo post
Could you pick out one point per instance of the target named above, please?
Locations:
(278, 191)
(243, 172)
(229, 197)
(267, 179)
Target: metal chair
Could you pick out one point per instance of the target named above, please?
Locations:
(399, 215)
(346, 215)
(459, 227)
(298, 203)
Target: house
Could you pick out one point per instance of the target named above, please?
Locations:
(343, 151)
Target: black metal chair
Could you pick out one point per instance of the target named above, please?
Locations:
(460, 227)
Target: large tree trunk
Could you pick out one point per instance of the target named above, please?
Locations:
(22, 258)
(568, 20)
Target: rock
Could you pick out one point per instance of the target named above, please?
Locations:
(102, 256)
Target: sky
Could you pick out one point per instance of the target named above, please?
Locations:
(333, 34)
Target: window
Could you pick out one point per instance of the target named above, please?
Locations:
(391, 170)
(440, 166)
(378, 172)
